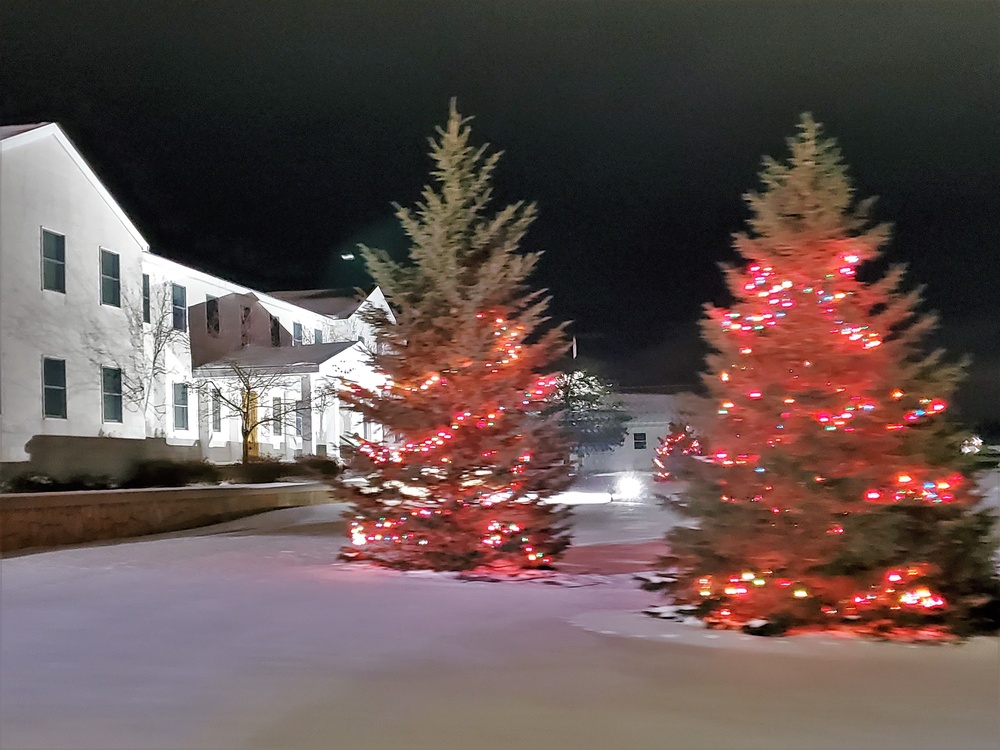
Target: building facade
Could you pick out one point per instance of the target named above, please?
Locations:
(101, 337)
(650, 417)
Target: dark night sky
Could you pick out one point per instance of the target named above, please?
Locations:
(260, 140)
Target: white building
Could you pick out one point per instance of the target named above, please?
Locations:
(101, 337)
(651, 415)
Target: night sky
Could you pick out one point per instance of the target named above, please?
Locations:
(260, 140)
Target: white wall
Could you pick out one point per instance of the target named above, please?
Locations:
(651, 414)
(43, 185)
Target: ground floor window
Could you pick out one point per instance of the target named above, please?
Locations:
(111, 394)
(216, 412)
(54, 388)
(180, 406)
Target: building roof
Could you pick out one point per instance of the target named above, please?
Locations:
(338, 303)
(290, 359)
(9, 131)
(16, 136)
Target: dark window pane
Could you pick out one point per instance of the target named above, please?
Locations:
(145, 298)
(212, 316)
(53, 246)
(54, 388)
(179, 302)
(53, 262)
(639, 441)
(55, 372)
(275, 332)
(111, 387)
(317, 336)
(110, 279)
(296, 334)
(110, 292)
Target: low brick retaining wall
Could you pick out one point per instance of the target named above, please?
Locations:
(50, 519)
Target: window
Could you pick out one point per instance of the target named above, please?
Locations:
(216, 411)
(318, 336)
(180, 406)
(212, 323)
(276, 415)
(244, 326)
(111, 393)
(145, 298)
(178, 297)
(111, 285)
(296, 334)
(54, 388)
(298, 419)
(639, 441)
(275, 332)
(53, 261)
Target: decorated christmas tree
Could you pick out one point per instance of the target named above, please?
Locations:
(459, 480)
(831, 494)
(679, 443)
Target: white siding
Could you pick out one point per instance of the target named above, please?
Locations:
(43, 185)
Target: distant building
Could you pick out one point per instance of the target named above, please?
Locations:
(651, 415)
(101, 337)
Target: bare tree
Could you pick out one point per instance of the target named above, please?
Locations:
(239, 389)
(151, 333)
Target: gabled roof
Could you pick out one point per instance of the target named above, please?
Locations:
(338, 303)
(290, 359)
(15, 136)
(9, 131)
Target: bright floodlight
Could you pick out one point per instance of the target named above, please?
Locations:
(628, 487)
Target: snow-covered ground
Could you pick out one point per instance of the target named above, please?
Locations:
(252, 635)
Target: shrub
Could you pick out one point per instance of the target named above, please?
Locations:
(166, 473)
(43, 483)
(319, 467)
(262, 470)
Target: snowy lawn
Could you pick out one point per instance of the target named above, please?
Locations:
(261, 640)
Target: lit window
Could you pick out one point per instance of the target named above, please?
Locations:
(639, 441)
(111, 393)
(180, 406)
(53, 261)
(54, 388)
(178, 299)
(111, 285)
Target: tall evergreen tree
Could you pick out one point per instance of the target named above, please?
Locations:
(468, 458)
(592, 415)
(834, 496)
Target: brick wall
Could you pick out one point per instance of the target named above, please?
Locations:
(50, 519)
